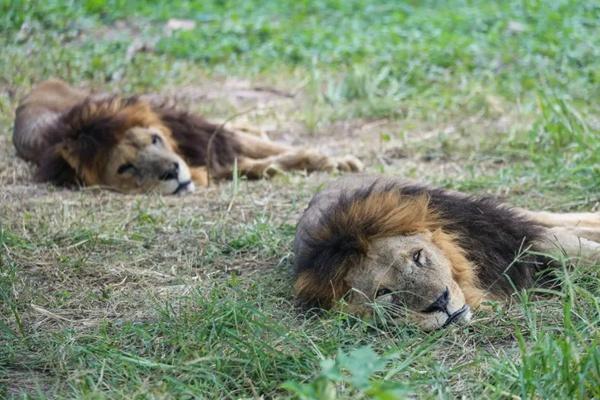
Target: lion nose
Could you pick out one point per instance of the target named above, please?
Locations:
(440, 304)
(171, 173)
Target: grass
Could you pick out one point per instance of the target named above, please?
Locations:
(111, 296)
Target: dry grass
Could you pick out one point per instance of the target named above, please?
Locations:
(104, 295)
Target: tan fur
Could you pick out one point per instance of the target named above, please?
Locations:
(572, 243)
(550, 219)
(412, 287)
(573, 234)
(200, 176)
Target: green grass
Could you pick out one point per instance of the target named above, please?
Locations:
(111, 296)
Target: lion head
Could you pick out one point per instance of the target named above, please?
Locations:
(408, 276)
(382, 250)
(121, 144)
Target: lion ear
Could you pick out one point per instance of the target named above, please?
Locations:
(54, 168)
(82, 147)
(68, 152)
(79, 160)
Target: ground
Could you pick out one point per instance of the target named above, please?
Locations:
(104, 295)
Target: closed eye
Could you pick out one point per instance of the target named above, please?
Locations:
(418, 257)
(127, 167)
(382, 292)
(156, 139)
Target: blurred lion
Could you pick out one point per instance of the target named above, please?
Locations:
(139, 144)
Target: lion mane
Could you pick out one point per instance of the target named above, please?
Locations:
(485, 241)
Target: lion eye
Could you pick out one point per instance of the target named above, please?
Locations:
(156, 139)
(418, 257)
(382, 292)
(127, 167)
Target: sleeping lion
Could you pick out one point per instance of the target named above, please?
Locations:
(429, 254)
(141, 144)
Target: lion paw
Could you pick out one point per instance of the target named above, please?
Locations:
(347, 163)
(273, 169)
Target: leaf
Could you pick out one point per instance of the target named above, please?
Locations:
(361, 364)
(320, 389)
(388, 390)
(330, 370)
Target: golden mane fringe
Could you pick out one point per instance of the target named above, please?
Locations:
(381, 215)
(463, 271)
(311, 289)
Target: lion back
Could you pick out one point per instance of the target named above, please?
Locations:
(38, 113)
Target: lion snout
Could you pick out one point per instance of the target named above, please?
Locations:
(440, 304)
(170, 171)
(448, 309)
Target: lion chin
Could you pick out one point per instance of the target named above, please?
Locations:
(178, 187)
(440, 320)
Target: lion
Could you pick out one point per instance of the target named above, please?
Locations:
(139, 144)
(398, 249)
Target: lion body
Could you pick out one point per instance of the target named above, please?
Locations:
(37, 113)
(77, 137)
(492, 249)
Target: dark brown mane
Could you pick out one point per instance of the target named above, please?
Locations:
(193, 133)
(491, 236)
